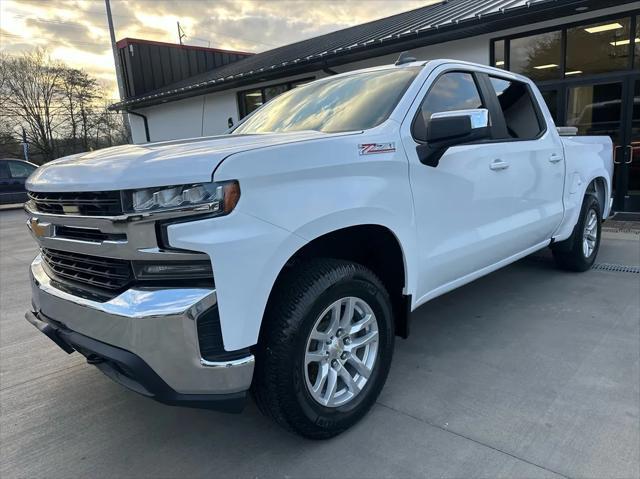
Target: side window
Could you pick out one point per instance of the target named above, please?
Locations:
(4, 171)
(518, 108)
(451, 91)
(19, 170)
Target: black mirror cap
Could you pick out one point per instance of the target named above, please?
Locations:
(448, 128)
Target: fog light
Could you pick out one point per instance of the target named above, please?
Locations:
(173, 270)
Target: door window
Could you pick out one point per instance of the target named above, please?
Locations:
(518, 108)
(20, 170)
(451, 91)
(4, 171)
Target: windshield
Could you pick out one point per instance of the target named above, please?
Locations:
(349, 103)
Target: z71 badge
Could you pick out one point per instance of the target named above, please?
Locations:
(373, 148)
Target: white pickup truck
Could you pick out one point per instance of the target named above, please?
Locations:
(283, 258)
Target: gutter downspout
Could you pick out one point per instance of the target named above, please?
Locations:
(146, 123)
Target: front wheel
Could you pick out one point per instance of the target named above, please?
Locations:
(325, 348)
(579, 251)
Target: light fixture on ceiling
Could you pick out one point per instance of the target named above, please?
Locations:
(545, 67)
(574, 72)
(500, 63)
(623, 42)
(603, 28)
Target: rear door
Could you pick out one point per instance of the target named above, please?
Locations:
(528, 142)
(463, 206)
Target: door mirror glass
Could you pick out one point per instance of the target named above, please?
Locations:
(449, 128)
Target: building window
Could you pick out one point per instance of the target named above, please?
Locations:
(598, 47)
(551, 99)
(250, 100)
(517, 108)
(596, 109)
(537, 56)
(498, 55)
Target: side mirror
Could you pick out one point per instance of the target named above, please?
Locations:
(451, 128)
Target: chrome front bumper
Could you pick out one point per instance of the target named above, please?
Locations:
(156, 324)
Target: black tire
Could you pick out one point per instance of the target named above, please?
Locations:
(302, 295)
(569, 254)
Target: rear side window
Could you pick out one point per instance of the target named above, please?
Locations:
(518, 109)
(20, 170)
(4, 170)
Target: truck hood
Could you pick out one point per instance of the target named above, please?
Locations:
(154, 164)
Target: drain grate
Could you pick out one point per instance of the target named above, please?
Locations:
(617, 268)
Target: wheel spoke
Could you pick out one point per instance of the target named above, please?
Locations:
(345, 321)
(362, 324)
(361, 367)
(319, 336)
(332, 382)
(352, 386)
(323, 374)
(315, 357)
(334, 324)
(361, 341)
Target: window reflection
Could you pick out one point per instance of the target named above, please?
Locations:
(349, 103)
(596, 110)
(498, 54)
(537, 56)
(598, 47)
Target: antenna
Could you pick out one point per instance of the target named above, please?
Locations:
(181, 33)
(405, 57)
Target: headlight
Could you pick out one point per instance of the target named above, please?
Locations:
(216, 197)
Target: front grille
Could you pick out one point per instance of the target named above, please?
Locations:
(104, 273)
(99, 203)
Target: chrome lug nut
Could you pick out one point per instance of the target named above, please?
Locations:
(334, 363)
(347, 340)
(344, 355)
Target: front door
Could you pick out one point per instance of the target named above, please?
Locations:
(464, 207)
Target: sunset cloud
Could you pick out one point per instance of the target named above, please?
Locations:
(75, 31)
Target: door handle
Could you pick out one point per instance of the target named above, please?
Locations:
(499, 165)
(630, 159)
(555, 158)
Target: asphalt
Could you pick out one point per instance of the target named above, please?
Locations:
(529, 372)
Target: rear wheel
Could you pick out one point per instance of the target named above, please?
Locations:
(325, 349)
(579, 251)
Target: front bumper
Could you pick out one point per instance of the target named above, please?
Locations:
(144, 338)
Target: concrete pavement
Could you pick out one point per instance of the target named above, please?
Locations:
(529, 372)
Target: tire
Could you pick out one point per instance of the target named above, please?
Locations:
(283, 380)
(572, 254)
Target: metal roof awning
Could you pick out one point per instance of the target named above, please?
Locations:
(437, 23)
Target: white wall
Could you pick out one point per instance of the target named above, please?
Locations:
(208, 114)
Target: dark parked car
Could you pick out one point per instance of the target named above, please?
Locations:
(13, 174)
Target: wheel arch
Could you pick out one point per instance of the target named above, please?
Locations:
(362, 244)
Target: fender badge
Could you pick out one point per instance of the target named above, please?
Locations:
(374, 148)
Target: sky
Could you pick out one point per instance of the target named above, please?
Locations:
(75, 31)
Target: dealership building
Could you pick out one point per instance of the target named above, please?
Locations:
(583, 54)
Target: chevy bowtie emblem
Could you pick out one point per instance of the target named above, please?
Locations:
(39, 229)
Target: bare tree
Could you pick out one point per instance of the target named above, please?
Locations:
(62, 109)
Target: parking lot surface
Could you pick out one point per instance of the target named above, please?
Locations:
(528, 372)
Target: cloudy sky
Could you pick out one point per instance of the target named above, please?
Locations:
(75, 31)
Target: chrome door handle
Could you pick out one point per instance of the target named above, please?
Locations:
(555, 158)
(499, 165)
(630, 160)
